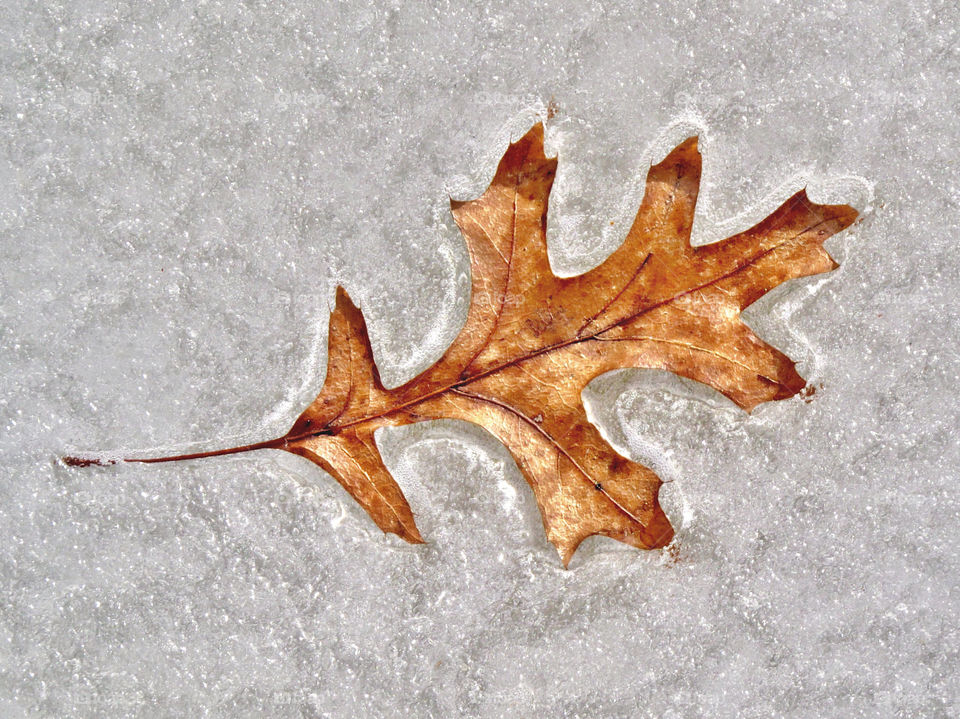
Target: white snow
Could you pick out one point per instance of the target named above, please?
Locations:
(183, 186)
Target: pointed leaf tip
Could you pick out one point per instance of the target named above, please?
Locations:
(535, 133)
(566, 554)
(411, 535)
(343, 299)
(528, 148)
(687, 152)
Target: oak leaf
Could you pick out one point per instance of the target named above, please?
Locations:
(532, 342)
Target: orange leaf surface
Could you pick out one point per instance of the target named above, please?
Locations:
(532, 342)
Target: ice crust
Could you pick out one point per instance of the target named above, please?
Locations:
(184, 185)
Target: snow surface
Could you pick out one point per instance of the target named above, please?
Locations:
(183, 186)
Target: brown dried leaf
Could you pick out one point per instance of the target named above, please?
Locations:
(533, 341)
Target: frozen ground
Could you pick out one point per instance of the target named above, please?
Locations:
(184, 185)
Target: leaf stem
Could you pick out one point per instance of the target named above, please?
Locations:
(102, 462)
